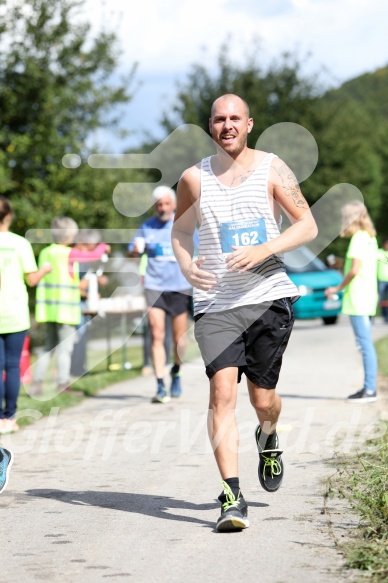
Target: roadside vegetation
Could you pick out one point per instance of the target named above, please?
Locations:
(363, 481)
(382, 353)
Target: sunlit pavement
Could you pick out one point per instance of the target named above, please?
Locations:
(119, 487)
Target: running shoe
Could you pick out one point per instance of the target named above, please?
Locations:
(176, 387)
(160, 397)
(6, 459)
(363, 396)
(234, 511)
(271, 469)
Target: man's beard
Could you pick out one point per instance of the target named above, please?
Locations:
(165, 217)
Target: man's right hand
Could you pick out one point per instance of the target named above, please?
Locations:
(198, 277)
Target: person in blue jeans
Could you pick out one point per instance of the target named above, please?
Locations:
(360, 290)
(17, 266)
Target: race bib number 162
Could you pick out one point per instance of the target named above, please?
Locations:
(240, 233)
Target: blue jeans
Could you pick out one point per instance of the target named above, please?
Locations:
(11, 346)
(362, 328)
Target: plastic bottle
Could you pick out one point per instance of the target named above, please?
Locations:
(93, 297)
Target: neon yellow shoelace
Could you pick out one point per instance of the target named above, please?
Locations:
(230, 497)
(273, 464)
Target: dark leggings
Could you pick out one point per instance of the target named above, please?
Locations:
(11, 346)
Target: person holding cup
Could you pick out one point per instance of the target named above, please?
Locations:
(167, 292)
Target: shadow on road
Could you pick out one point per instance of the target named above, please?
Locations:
(311, 397)
(140, 397)
(156, 506)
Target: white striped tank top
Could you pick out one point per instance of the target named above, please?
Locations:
(236, 216)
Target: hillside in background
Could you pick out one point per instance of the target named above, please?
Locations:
(352, 133)
(370, 90)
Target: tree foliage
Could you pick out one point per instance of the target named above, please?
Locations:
(56, 88)
(343, 125)
(58, 85)
(280, 92)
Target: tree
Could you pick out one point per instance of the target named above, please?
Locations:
(381, 217)
(56, 88)
(343, 126)
(279, 93)
(276, 94)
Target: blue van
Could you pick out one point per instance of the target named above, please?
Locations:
(312, 277)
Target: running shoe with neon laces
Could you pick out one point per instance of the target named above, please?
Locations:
(176, 387)
(6, 459)
(234, 511)
(271, 469)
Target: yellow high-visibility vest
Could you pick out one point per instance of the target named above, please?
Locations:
(57, 294)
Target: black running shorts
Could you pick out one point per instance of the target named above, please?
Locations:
(173, 303)
(252, 338)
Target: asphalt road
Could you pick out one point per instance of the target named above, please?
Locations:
(120, 489)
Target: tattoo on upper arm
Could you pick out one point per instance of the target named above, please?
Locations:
(291, 186)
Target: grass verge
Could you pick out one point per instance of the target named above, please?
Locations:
(382, 354)
(363, 481)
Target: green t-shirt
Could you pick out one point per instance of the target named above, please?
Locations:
(360, 295)
(16, 259)
(382, 265)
